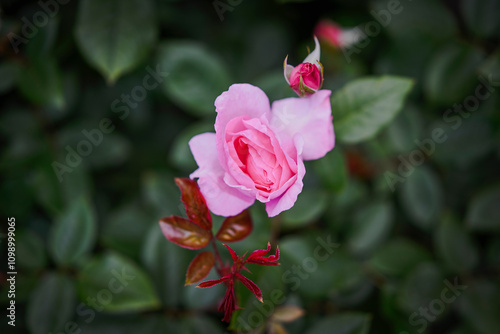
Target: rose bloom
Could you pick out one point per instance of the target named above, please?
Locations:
(257, 152)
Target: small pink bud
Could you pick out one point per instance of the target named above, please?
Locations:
(306, 78)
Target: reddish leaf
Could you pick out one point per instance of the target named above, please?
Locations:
(208, 284)
(233, 254)
(257, 257)
(250, 286)
(200, 267)
(194, 202)
(235, 228)
(184, 233)
(228, 304)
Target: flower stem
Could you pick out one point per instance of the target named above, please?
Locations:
(217, 256)
(275, 230)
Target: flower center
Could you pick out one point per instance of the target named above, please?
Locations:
(255, 163)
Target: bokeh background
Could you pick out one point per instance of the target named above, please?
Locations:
(418, 254)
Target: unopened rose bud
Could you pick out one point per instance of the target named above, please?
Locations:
(306, 78)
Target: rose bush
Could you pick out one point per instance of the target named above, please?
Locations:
(257, 152)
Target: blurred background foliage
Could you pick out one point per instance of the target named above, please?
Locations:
(398, 250)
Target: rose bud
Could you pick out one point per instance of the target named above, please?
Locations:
(306, 78)
(331, 33)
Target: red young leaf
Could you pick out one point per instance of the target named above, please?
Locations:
(250, 286)
(228, 304)
(235, 228)
(257, 257)
(200, 267)
(233, 254)
(194, 202)
(184, 233)
(208, 284)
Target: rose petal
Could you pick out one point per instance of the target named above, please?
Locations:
(221, 199)
(288, 198)
(310, 117)
(239, 100)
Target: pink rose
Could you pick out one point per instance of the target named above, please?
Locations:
(306, 78)
(258, 153)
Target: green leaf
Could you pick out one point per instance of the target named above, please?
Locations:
(127, 324)
(422, 197)
(127, 287)
(491, 66)
(9, 73)
(75, 185)
(479, 306)
(371, 226)
(51, 305)
(47, 188)
(451, 74)
(310, 204)
(482, 17)
(30, 251)
(430, 19)
(455, 246)
(125, 229)
(115, 35)
(422, 285)
(465, 145)
(343, 323)
(483, 213)
(332, 170)
(41, 83)
(196, 76)
(406, 127)
(73, 233)
(388, 260)
(104, 150)
(167, 264)
(43, 42)
(391, 311)
(364, 106)
(493, 252)
(303, 258)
